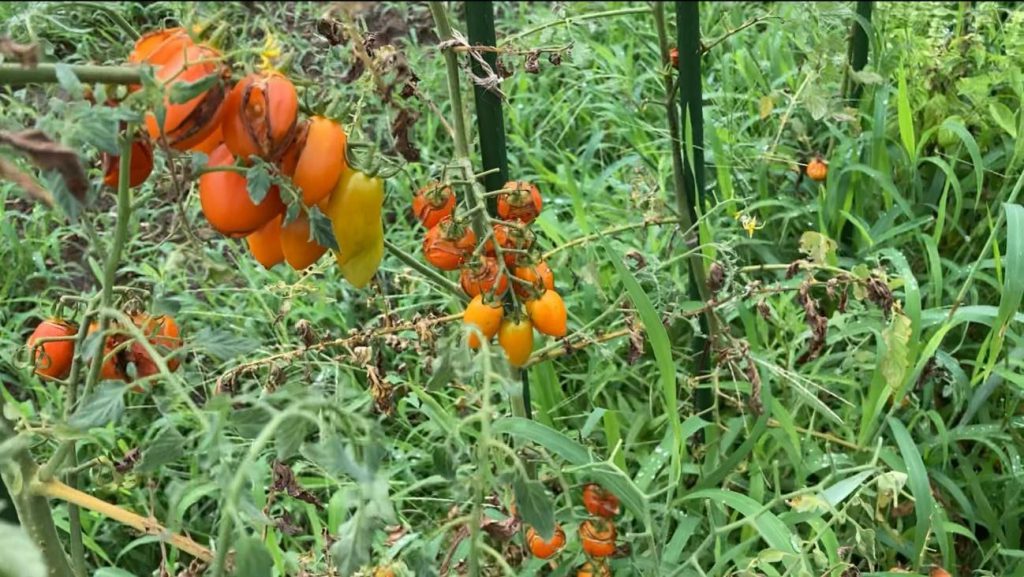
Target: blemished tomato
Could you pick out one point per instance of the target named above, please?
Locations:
(520, 201)
(516, 338)
(537, 274)
(483, 276)
(548, 314)
(215, 139)
(600, 502)
(514, 241)
(225, 199)
(164, 335)
(300, 250)
(545, 549)
(432, 203)
(448, 243)
(187, 124)
(265, 243)
(817, 170)
(53, 358)
(319, 159)
(589, 569)
(598, 537)
(260, 115)
(485, 316)
(113, 368)
(141, 165)
(157, 46)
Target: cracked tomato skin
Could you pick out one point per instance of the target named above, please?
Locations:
(599, 501)
(537, 274)
(588, 569)
(53, 358)
(448, 243)
(483, 276)
(433, 203)
(260, 114)
(520, 200)
(598, 537)
(545, 549)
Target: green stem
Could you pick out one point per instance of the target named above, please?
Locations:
(444, 31)
(431, 274)
(104, 9)
(572, 20)
(87, 73)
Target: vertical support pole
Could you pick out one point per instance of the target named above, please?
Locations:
(858, 52)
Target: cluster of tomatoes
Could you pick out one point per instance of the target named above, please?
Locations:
(53, 347)
(258, 118)
(597, 535)
(508, 256)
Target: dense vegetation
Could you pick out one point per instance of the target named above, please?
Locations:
(810, 365)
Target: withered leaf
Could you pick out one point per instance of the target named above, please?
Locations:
(9, 171)
(49, 155)
(284, 481)
(400, 129)
(532, 64)
(26, 54)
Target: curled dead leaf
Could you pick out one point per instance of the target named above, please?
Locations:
(49, 155)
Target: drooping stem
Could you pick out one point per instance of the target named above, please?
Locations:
(47, 73)
(431, 274)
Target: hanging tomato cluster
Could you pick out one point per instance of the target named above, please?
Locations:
(52, 346)
(597, 535)
(508, 257)
(258, 119)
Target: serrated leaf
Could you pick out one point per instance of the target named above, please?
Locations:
(535, 506)
(1004, 117)
(336, 458)
(252, 559)
(167, 447)
(257, 182)
(68, 80)
(321, 229)
(818, 247)
(865, 77)
(21, 557)
(200, 160)
(291, 213)
(817, 106)
(223, 346)
(896, 361)
(355, 541)
(182, 92)
(100, 407)
(289, 438)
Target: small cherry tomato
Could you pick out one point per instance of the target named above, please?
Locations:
(514, 240)
(598, 538)
(538, 276)
(600, 502)
(516, 338)
(448, 243)
(483, 276)
(519, 200)
(548, 313)
(485, 316)
(589, 569)
(545, 549)
(817, 170)
(53, 358)
(432, 203)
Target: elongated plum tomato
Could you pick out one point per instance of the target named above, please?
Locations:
(319, 159)
(600, 502)
(215, 139)
(141, 165)
(53, 358)
(537, 274)
(520, 200)
(265, 243)
(516, 338)
(589, 569)
(598, 537)
(355, 210)
(483, 276)
(548, 314)
(300, 251)
(432, 203)
(187, 124)
(157, 47)
(448, 243)
(260, 115)
(225, 199)
(545, 549)
(485, 316)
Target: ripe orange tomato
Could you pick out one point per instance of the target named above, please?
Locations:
(190, 123)
(674, 57)
(516, 337)
(265, 243)
(513, 240)
(319, 159)
(448, 243)
(537, 274)
(938, 572)
(113, 368)
(215, 139)
(300, 250)
(157, 46)
(485, 316)
(598, 537)
(141, 165)
(53, 358)
(520, 201)
(817, 170)
(225, 199)
(483, 276)
(432, 203)
(589, 569)
(548, 313)
(164, 335)
(600, 502)
(260, 115)
(545, 549)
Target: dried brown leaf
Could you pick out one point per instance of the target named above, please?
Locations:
(26, 54)
(50, 155)
(10, 171)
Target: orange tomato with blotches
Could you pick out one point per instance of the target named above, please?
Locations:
(545, 549)
(260, 115)
(448, 243)
(599, 501)
(432, 203)
(817, 170)
(537, 276)
(483, 276)
(519, 200)
(189, 123)
(598, 537)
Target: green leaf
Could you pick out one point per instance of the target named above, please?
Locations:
(1013, 278)
(110, 572)
(920, 487)
(68, 80)
(906, 118)
(866, 77)
(662, 348)
(838, 492)
(21, 556)
(289, 438)
(257, 182)
(355, 541)
(321, 229)
(167, 447)
(182, 92)
(1004, 117)
(896, 361)
(200, 160)
(252, 559)
(534, 505)
(336, 458)
(100, 407)
(771, 528)
(818, 247)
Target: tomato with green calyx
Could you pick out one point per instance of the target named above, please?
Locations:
(432, 203)
(548, 313)
(447, 245)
